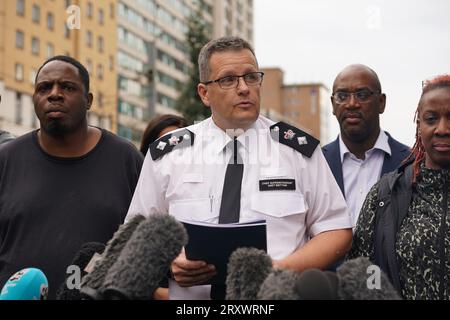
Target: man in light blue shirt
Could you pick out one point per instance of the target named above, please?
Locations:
(363, 152)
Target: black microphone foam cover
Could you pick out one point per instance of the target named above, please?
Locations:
(315, 284)
(354, 276)
(145, 259)
(247, 270)
(92, 282)
(81, 260)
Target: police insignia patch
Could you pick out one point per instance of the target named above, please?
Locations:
(161, 145)
(164, 145)
(285, 134)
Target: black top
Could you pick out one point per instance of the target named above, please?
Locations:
(50, 206)
(422, 243)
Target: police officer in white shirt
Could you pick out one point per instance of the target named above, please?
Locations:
(281, 175)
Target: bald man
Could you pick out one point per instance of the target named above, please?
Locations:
(363, 152)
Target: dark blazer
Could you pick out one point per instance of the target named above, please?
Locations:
(332, 153)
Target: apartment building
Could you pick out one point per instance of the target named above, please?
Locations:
(32, 31)
(152, 55)
(233, 17)
(134, 50)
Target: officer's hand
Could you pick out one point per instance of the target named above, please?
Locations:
(189, 273)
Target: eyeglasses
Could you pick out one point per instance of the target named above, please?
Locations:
(231, 82)
(361, 95)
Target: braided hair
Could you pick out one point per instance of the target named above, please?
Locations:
(418, 150)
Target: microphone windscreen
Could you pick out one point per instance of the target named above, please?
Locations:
(247, 270)
(27, 284)
(145, 259)
(279, 285)
(81, 260)
(92, 282)
(358, 281)
(315, 284)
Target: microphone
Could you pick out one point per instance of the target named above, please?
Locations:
(27, 284)
(311, 284)
(354, 280)
(351, 281)
(279, 285)
(145, 259)
(92, 281)
(247, 269)
(81, 260)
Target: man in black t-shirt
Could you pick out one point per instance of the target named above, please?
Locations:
(64, 184)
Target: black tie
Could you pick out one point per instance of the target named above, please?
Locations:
(230, 206)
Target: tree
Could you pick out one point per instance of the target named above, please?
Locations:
(189, 103)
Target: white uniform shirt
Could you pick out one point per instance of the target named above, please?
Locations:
(188, 182)
(360, 175)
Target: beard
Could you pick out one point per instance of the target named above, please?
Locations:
(356, 136)
(354, 133)
(56, 128)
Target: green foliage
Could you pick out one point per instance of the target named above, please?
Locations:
(189, 103)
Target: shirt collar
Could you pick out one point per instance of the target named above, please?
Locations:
(221, 139)
(381, 144)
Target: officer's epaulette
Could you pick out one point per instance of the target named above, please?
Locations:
(294, 138)
(179, 139)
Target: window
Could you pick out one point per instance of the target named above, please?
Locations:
(105, 123)
(111, 10)
(128, 62)
(89, 10)
(100, 16)
(89, 39)
(89, 65)
(36, 13)
(19, 72)
(92, 119)
(20, 7)
(100, 99)
(33, 73)
(35, 46)
(50, 50)
(100, 44)
(18, 114)
(19, 39)
(50, 21)
(66, 31)
(100, 71)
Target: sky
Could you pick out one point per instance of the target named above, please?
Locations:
(405, 42)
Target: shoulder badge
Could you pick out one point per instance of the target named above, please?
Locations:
(294, 138)
(170, 142)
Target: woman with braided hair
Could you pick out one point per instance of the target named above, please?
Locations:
(404, 224)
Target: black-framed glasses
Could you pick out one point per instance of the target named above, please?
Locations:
(362, 96)
(231, 82)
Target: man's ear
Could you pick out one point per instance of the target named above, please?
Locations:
(202, 90)
(382, 103)
(90, 98)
